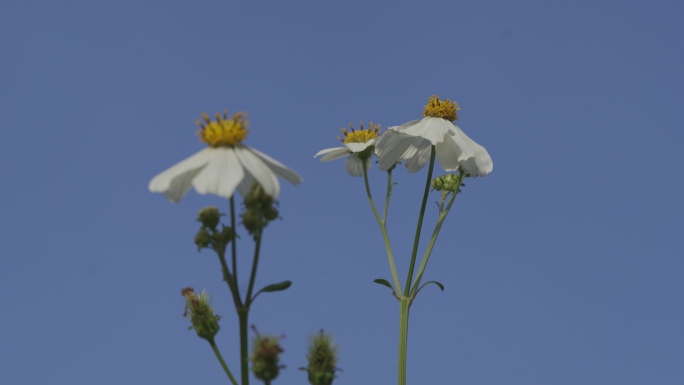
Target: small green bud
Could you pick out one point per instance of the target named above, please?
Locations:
(265, 357)
(271, 213)
(209, 217)
(322, 357)
(437, 183)
(252, 220)
(199, 311)
(202, 238)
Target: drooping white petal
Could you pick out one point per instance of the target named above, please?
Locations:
(448, 154)
(432, 129)
(354, 165)
(418, 155)
(473, 157)
(358, 147)
(257, 170)
(222, 174)
(390, 148)
(278, 168)
(176, 181)
(333, 153)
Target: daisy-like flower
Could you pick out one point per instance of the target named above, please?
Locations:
(226, 164)
(357, 148)
(413, 142)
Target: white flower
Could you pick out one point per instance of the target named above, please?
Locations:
(356, 143)
(413, 142)
(225, 165)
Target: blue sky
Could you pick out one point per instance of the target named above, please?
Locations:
(563, 266)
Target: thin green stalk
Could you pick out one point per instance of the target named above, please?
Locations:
(407, 288)
(243, 318)
(383, 227)
(387, 196)
(233, 247)
(428, 251)
(255, 263)
(404, 305)
(223, 363)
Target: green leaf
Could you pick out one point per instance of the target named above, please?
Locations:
(428, 282)
(276, 287)
(383, 282)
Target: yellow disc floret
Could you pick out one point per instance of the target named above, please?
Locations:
(360, 136)
(445, 109)
(223, 132)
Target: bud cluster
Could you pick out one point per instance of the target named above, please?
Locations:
(265, 357)
(199, 311)
(322, 357)
(209, 236)
(260, 209)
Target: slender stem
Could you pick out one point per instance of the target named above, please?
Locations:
(442, 216)
(233, 246)
(223, 363)
(383, 227)
(407, 289)
(243, 318)
(255, 263)
(404, 305)
(387, 196)
(229, 278)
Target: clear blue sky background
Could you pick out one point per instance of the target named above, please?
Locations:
(563, 266)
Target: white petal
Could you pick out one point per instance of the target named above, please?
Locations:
(257, 170)
(278, 168)
(358, 147)
(222, 174)
(333, 153)
(354, 165)
(420, 151)
(448, 154)
(176, 181)
(432, 129)
(473, 157)
(390, 147)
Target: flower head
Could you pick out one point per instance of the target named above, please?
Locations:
(266, 356)
(358, 148)
(225, 165)
(322, 357)
(413, 142)
(199, 311)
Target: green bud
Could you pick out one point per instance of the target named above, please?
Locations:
(252, 220)
(265, 357)
(271, 213)
(199, 311)
(202, 238)
(437, 183)
(322, 357)
(209, 217)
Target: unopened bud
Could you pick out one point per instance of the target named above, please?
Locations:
(209, 217)
(202, 238)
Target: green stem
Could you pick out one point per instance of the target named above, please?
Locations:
(233, 247)
(426, 257)
(382, 224)
(255, 263)
(243, 318)
(416, 240)
(223, 363)
(404, 305)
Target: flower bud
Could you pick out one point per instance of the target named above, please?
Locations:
(265, 357)
(322, 357)
(209, 217)
(202, 238)
(199, 311)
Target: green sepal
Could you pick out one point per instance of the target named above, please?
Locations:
(383, 282)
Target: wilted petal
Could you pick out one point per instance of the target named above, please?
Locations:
(176, 181)
(222, 174)
(278, 168)
(448, 154)
(390, 148)
(418, 155)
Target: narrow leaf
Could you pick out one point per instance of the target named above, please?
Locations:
(276, 287)
(383, 282)
(428, 282)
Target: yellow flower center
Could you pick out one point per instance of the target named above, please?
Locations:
(360, 136)
(223, 132)
(445, 109)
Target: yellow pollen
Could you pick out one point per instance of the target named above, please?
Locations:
(360, 136)
(223, 132)
(445, 109)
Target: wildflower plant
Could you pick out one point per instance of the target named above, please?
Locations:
(416, 144)
(226, 165)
